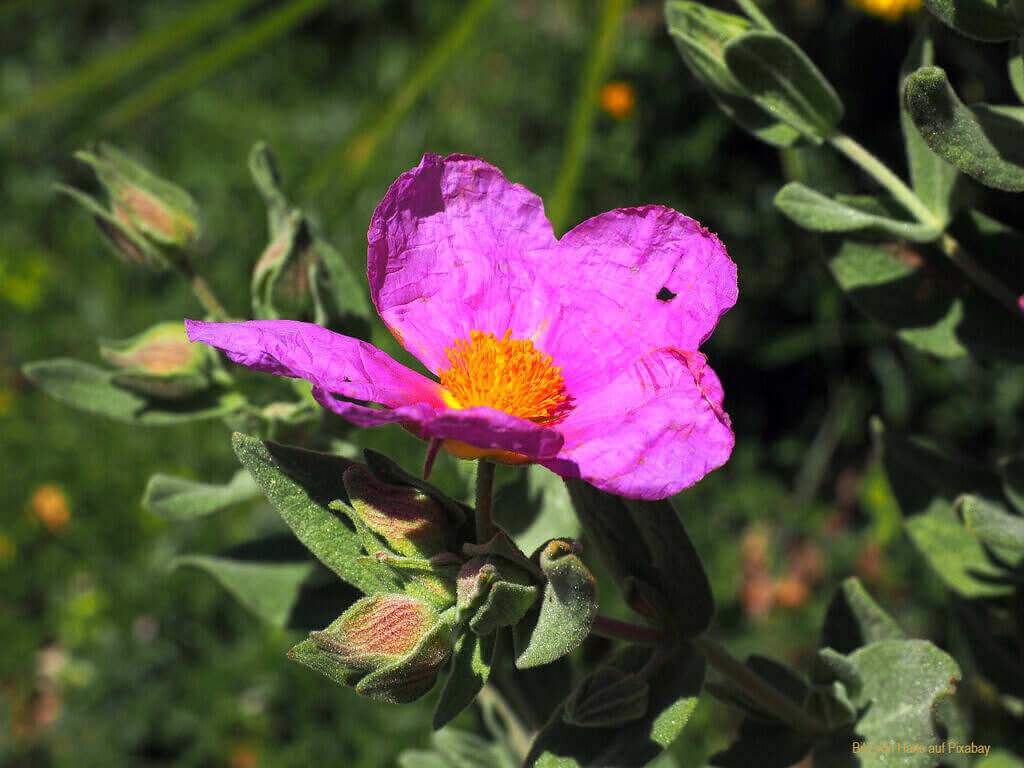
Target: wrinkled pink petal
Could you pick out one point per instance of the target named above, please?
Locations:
(454, 247)
(488, 428)
(332, 362)
(612, 268)
(656, 429)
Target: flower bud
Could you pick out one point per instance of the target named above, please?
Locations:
(160, 362)
(389, 647)
(284, 276)
(407, 519)
(142, 202)
(493, 593)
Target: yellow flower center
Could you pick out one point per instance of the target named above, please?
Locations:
(506, 374)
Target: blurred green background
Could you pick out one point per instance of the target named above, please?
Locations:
(109, 658)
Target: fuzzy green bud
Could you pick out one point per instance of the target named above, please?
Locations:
(409, 521)
(160, 362)
(389, 647)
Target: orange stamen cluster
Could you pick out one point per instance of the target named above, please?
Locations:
(506, 374)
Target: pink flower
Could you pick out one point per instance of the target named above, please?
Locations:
(579, 354)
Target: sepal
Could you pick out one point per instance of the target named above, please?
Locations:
(389, 647)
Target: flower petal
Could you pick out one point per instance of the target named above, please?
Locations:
(334, 363)
(487, 428)
(656, 429)
(454, 247)
(613, 269)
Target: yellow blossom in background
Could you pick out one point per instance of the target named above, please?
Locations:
(49, 505)
(887, 9)
(7, 550)
(618, 99)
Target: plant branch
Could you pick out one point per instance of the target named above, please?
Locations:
(893, 183)
(981, 277)
(519, 738)
(200, 287)
(484, 500)
(616, 629)
(760, 691)
(946, 242)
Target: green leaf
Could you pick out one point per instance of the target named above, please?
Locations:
(991, 523)
(301, 485)
(955, 556)
(1011, 469)
(1000, 759)
(854, 619)
(471, 662)
(648, 551)
(678, 572)
(506, 603)
(812, 210)
(270, 589)
(178, 499)
(388, 471)
(988, 20)
(932, 178)
(983, 142)
(567, 609)
(700, 33)
(461, 749)
(783, 80)
(920, 474)
(917, 294)
(90, 388)
(1015, 67)
(903, 682)
(674, 688)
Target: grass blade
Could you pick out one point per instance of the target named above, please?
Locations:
(350, 158)
(207, 63)
(559, 202)
(107, 69)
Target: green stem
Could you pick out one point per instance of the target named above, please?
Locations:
(947, 243)
(616, 629)
(201, 288)
(518, 737)
(760, 691)
(981, 277)
(107, 69)
(559, 203)
(484, 501)
(247, 39)
(350, 159)
(750, 8)
(881, 173)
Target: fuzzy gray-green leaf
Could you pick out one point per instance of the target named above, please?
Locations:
(268, 589)
(988, 20)
(175, 498)
(301, 484)
(784, 81)
(932, 178)
(984, 142)
(471, 662)
(816, 212)
(992, 523)
(90, 388)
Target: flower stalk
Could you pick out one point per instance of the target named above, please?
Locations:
(484, 501)
(761, 692)
(878, 170)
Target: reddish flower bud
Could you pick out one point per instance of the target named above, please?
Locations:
(389, 647)
(142, 202)
(160, 362)
(407, 519)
